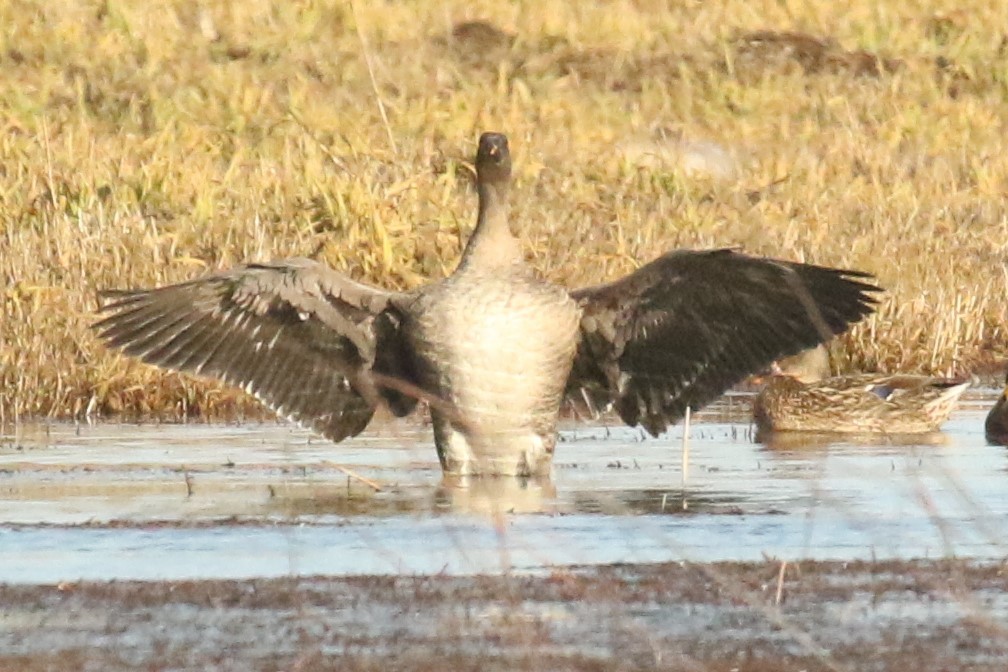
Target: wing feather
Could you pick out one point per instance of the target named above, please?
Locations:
(296, 334)
(684, 328)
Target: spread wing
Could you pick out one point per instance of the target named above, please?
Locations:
(304, 339)
(684, 328)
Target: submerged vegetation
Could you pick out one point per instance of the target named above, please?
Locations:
(143, 146)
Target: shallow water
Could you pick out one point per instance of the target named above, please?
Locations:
(199, 501)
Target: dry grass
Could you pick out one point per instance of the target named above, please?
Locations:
(142, 146)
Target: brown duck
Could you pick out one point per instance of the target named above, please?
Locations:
(493, 348)
(801, 396)
(996, 424)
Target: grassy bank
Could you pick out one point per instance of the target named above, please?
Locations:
(142, 146)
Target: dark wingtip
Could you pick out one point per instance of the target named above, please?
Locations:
(493, 158)
(109, 295)
(114, 301)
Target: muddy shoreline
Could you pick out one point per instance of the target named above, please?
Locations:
(921, 615)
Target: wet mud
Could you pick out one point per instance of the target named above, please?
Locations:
(921, 615)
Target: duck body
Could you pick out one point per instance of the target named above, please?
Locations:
(493, 349)
(996, 424)
(862, 404)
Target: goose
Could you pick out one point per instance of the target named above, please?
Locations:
(492, 348)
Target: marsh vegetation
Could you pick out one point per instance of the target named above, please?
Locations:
(146, 146)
